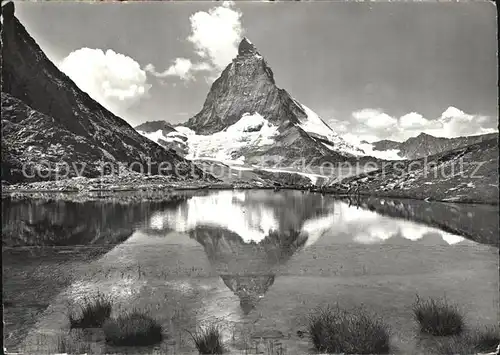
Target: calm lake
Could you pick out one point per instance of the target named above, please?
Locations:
(256, 261)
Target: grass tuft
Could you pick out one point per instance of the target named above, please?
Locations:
(438, 317)
(132, 329)
(94, 312)
(480, 340)
(334, 330)
(208, 339)
(486, 339)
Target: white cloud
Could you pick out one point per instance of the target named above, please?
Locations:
(374, 118)
(215, 35)
(182, 67)
(455, 123)
(114, 80)
(414, 120)
(452, 112)
(374, 124)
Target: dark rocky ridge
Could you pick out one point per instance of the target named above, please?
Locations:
(153, 126)
(425, 144)
(28, 137)
(45, 96)
(385, 144)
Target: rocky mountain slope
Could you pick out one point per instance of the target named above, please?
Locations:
(467, 174)
(47, 120)
(247, 119)
(424, 144)
(36, 141)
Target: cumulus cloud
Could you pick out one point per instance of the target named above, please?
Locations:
(455, 123)
(374, 118)
(414, 120)
(114, 80)
(370, 125)
(215, 35)
(374, 124)
(182, 67)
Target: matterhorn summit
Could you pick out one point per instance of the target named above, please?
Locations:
(247, 48)
(280, 128)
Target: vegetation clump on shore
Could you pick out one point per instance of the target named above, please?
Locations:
(94, 312)
(132, 329)
(334, 330)
(208, 339)
(438, 317)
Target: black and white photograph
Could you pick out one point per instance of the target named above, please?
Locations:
(250, 177)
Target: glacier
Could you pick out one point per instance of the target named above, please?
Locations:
(251, 130)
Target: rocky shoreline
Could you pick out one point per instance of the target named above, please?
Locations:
(158, 187)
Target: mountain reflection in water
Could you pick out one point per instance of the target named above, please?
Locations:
(276, 253)
(249, 236)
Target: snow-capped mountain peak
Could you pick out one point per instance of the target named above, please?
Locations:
(247, 118)
(247, 48)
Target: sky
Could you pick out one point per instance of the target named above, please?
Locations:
(371, 70)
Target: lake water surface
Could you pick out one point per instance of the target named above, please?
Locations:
(256, 261)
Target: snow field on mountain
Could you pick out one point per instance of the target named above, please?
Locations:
(252, 130)
(315, 125)
(154, 136)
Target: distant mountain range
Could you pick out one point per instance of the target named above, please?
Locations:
(47, 120)
(465, 174)
(424, 144)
